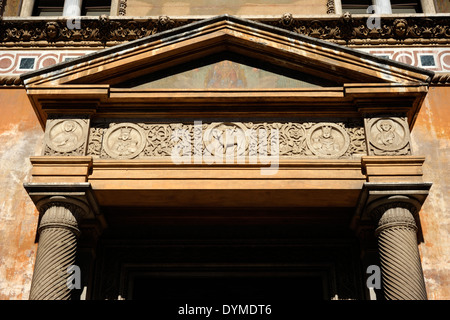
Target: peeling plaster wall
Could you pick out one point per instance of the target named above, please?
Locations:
(431, 138)
(21, 136)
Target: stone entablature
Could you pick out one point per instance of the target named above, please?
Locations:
(296, 139)
(112, 139)
(125, 140)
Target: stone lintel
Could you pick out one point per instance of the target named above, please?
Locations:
(60, 169)
(384, 169)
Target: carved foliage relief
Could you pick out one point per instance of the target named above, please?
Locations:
(388, 136)
(285, 139)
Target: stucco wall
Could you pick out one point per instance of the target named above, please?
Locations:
(20, 137)
(431, 138)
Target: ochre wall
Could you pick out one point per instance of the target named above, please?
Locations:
(21, 136)
(233, 7)
(431, 138)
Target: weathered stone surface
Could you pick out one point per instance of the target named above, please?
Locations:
(431, 137)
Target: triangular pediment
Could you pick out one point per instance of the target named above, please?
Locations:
(268, 65)
(251, 39)
(226, 71)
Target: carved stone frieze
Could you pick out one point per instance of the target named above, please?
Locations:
(101, 31)
(122, 7)
(350, 30)
(347, 30)
(286, 139)
(388, 136)
(330, 7)
(66, 136)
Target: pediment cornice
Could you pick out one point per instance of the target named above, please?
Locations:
(364, 81)
(227, 33)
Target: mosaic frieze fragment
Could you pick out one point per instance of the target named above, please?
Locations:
(129, 140)
(388, 136)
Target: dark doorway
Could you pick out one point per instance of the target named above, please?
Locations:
(228, 287)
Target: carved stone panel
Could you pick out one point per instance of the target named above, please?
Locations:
(124, 141)
(308, 139)
(328, 140)
(226, 138)
(388, 136)
(66, 136)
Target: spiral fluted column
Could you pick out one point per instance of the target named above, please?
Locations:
(58, 232)
(402, 274)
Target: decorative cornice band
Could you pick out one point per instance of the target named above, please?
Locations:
(16, 81)
(122, 7)
(11, 81)
(106, 31)
(441, 79)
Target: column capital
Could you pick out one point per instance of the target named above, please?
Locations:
(78, 198)
(61, 212)
(383, 211)
(378, 198)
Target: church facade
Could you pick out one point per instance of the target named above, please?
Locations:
(160, 150)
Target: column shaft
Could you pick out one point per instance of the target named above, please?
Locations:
(401, 268)
(27, 8)
(72, 8)
(382, 6)
(58, 233)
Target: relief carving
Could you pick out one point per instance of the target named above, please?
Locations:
(124, 141)
(288, 139)
(66, 136)
(347, 30)
(226, 139)
(328, 140)
(388, 136)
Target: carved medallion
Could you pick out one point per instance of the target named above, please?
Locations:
(388, 136)
(124, 141)
(223, 138)
(65, 135)
(328, 140)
